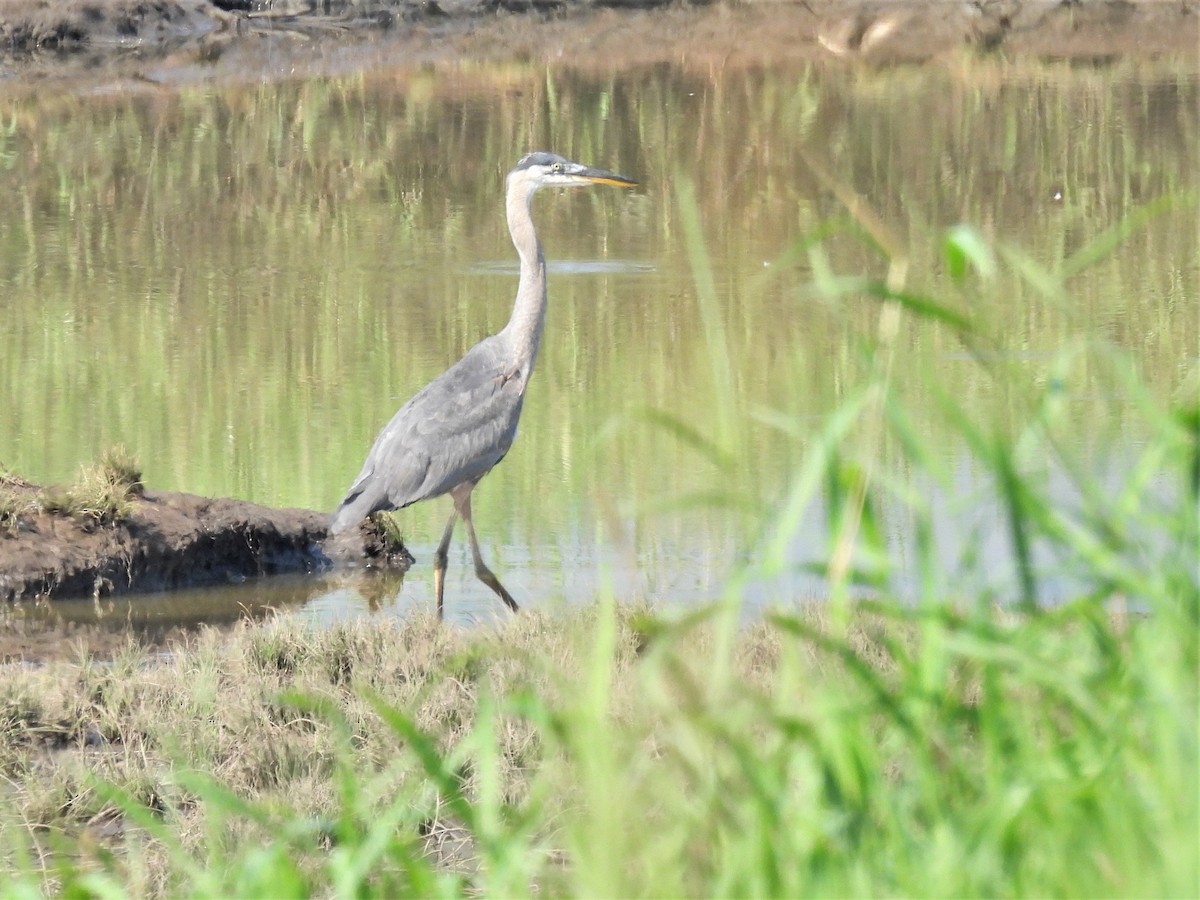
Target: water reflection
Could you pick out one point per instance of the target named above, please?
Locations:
(568, 267)
(242, 285)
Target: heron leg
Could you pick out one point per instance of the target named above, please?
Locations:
(439, 561)
(462, 502)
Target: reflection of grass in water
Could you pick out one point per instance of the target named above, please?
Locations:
(251, 247)
(930, 745)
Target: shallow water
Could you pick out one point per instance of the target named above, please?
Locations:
(241, 285)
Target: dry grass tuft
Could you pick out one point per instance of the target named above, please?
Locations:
(14, 506)
(120, 467)
(225, 703)
(103, 492)
(17, 500)
(8, 478)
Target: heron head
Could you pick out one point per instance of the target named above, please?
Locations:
(539, 170)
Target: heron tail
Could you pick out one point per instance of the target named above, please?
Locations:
(357, 506)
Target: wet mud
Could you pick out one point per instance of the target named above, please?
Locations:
(170, 541)
(61, 574)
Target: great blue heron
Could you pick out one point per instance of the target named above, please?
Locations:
(451, 434)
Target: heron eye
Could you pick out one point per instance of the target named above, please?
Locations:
(557, 167)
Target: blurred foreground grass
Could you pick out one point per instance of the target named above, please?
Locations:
(608, 752)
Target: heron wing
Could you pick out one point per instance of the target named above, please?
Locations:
(453, 431)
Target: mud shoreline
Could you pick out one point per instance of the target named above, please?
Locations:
(154, 43)
(164, 542)
(168, 541)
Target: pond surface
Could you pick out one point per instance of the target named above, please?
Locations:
(241, 285)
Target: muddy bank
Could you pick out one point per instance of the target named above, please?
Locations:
(168, 541)
(166, 41)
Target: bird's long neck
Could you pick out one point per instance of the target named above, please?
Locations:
(524, 328)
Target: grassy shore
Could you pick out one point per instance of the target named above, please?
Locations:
(607, 751)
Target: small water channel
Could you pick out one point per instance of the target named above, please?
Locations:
(242, 284)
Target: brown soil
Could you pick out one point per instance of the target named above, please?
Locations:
(169, 541)
(156, 41)
(166, 542)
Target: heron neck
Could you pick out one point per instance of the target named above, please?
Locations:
(524, 328)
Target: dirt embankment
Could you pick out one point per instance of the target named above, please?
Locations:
(166, 541)
(157, 40)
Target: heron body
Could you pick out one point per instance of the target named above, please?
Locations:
(452, 432)
(461, 424)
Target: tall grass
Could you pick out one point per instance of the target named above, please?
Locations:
(961, 738)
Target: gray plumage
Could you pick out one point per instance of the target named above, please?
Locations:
(455, 430)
